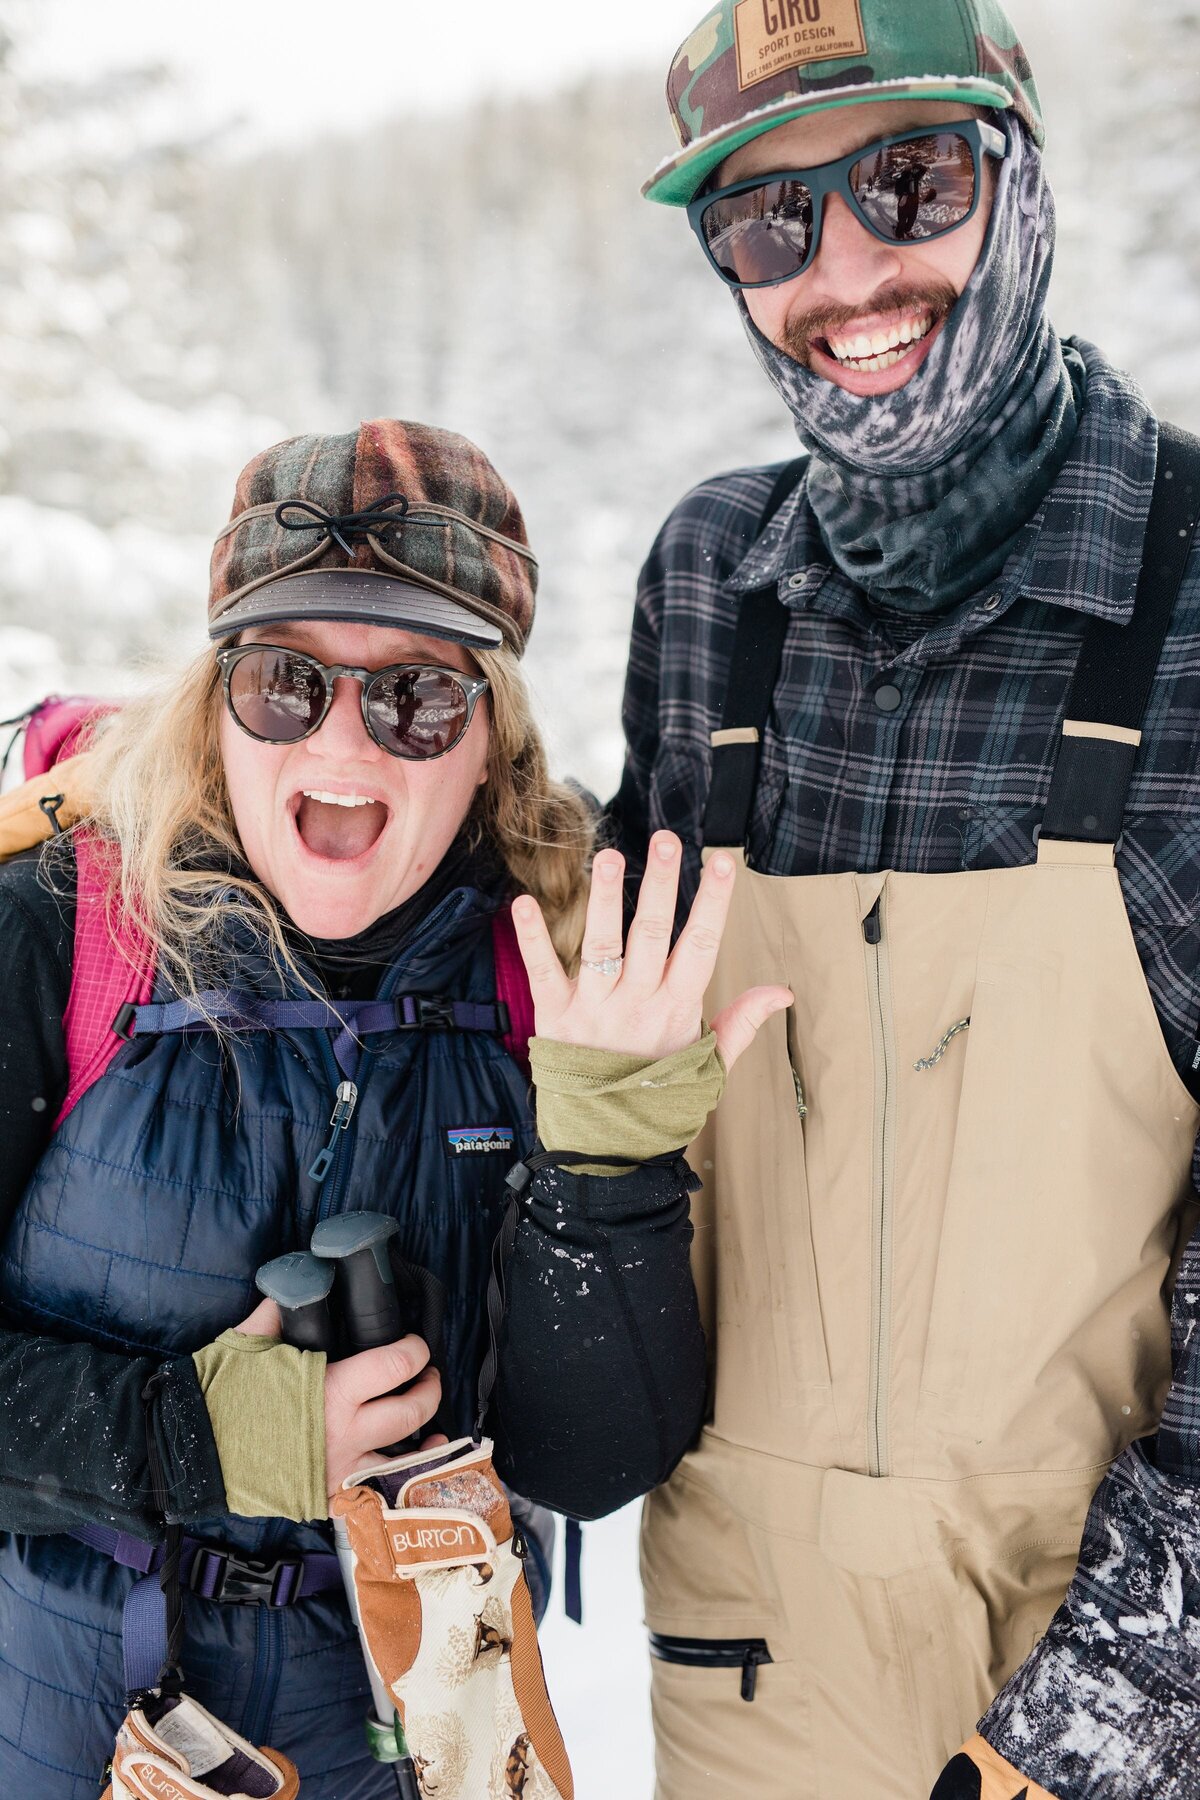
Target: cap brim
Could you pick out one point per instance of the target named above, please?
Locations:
(359, 597)
(679, 179)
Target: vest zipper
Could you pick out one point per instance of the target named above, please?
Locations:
(334, 1175)
(344, 1104)
(879, 989)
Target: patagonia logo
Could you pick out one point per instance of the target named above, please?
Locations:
(477, 1140)
(774, 35)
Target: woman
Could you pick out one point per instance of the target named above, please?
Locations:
(335, 807)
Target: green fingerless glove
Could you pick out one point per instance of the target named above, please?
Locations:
(266, 1402)
(601, 1102)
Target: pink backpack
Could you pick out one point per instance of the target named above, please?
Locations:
(113, 968)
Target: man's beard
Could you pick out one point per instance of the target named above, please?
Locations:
(805, 331)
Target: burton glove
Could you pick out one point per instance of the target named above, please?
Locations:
(438, 1584)
(189, 1755)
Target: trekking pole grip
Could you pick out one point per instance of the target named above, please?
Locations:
(300, 1284)
(356, 1244)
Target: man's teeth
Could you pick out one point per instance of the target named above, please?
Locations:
(880, 349)
(338, 799)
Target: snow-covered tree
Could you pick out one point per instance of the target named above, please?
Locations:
(118, 443)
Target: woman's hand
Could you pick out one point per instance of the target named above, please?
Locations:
(650, 1007)
(361, 1411)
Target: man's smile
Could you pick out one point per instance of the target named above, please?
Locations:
(875, 355)
(878, 347)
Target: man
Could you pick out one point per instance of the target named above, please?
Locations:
(906, 681)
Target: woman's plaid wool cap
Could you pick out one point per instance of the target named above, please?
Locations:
(396, 524)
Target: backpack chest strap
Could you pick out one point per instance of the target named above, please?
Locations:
(350, 1020)
(242, 1011)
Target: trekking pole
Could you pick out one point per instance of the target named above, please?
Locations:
(300, 1284)
(368, 1306)
(356, 1243)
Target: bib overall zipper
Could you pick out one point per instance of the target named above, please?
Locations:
(879, 990)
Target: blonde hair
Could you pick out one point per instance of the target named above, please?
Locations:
(157, 794)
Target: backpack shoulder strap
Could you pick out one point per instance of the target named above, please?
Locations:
(54, 729)
(1117, 662)
(110, 968)
(512, 988)
(762, 625)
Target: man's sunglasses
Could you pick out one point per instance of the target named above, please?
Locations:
(905, 190)
(414, 710)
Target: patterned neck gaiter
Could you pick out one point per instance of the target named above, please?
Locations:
(920, 494)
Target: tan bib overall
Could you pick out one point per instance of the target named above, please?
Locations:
(932, 1259)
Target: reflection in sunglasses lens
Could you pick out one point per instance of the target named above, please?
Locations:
(916, 189)
(417, 712)
(280, 696)
(277, 696)
(907, 192)
(763, 234)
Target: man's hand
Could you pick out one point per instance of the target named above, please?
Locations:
(978, 1773)
(651, 1006)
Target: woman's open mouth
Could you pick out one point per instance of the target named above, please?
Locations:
(339, 826)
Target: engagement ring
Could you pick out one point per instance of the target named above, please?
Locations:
(608, 965)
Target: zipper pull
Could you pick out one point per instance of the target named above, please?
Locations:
(873, 924)
(343, 1112)
(755, 1655)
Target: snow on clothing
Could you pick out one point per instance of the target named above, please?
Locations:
(138, 1227)
(926, 745)
(920, 494)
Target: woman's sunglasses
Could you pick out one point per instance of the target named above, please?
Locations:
(414, 710)
(905, 190)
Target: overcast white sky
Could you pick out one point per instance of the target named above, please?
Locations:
(285, 66)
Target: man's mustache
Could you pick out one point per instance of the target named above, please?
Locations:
(803, 329)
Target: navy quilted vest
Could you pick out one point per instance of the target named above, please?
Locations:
(178, 1173)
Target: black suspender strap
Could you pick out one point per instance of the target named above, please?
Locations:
(1111, 690)
(753, 672)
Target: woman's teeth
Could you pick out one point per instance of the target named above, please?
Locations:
(876, 350)
(338, 799)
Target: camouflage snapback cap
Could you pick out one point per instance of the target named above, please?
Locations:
(753, 64)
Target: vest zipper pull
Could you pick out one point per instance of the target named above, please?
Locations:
(343, 1112)
(873, 924)
(750, 1666)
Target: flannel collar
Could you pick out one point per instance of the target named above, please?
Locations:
(1082, 549)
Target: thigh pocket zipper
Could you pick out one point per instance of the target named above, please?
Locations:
(746, 1654)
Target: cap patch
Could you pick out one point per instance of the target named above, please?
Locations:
(774, 35)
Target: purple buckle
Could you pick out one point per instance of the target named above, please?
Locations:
(424, 1012)
(243, 1580)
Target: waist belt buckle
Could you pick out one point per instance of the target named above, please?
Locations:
(218, 1574)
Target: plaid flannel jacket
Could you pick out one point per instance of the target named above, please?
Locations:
(956, 776)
